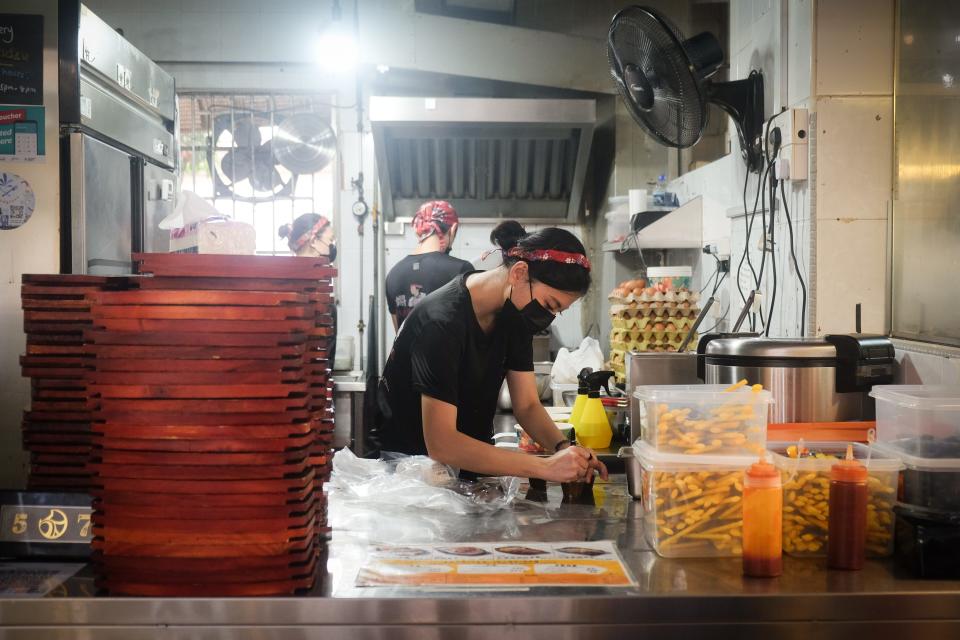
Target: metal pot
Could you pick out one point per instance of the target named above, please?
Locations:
(812, 380)
(542, 372)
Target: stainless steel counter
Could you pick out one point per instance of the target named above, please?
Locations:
(673, 599)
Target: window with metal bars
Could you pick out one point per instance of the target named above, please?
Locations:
(236, 152)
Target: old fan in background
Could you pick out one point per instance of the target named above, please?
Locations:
(256, 158)
(664, 81)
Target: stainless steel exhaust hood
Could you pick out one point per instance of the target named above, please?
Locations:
(491, 158)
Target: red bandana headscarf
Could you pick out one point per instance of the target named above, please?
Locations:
(434, 217)
(550, 255)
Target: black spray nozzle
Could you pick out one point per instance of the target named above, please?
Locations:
(583, 386)
(597, 379)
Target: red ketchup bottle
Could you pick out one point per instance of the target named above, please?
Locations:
(847, 533)
(762, 521)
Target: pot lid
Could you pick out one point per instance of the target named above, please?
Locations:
(794, 348)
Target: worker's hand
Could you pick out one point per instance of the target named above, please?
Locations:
(567, 465)
(596, 465)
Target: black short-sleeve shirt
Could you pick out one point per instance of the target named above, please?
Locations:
(416, 276)
(442, 352)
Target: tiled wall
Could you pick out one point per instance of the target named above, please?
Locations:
(835, 58)
(854, 50)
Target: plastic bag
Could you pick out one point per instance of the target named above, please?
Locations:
(417, 481)
(569, 363)
(190, 209)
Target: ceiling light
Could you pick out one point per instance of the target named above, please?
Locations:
(336, 49)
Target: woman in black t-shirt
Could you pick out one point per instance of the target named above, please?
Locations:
(439, 389)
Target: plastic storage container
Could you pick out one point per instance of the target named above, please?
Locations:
(920, 420)
(806, 491)
(927, 542)
(692, 504)
(704, 419)
(921, 426)
(564, 394)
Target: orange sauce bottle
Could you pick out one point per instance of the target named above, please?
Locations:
(762, 521)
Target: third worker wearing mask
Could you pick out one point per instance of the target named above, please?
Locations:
(430, 266)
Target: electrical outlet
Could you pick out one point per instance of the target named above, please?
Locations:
(796, 144)
(724, 265)
(765, 242)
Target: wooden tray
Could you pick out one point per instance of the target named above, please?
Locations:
(322, 288)
(204, 312)
(158, 370)
(131, 353)
(107, 456)
(58, 483)
(119, 525)
(59, 470)
(224, 445)
(211, 330)
(231, 267)
(210, 571)
(192, 376)
(58, 458)
(175, 571)
(136, 416)
(56, 350)
(278, 541)
(203, 432)
(203, 339)
(253, 589)
(201, 473)
(197, 392)
(198, 297)
(213, 407)
(168, 486)
(110, 498)
(189, 512)
(79, 393)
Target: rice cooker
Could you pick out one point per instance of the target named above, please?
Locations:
(812, 379)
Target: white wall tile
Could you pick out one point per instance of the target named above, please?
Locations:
(950, 371)
(854, 157)
(851, 264)
(854, 47)
(918, 368)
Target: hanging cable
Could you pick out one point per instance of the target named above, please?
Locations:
(773, 253)
(796, 265)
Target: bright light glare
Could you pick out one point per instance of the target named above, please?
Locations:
(336, 51)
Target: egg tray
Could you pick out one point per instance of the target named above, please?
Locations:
(653, 309)
(650, 294)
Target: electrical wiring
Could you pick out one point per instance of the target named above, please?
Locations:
(719, 320)
(796, 265)
(773, 254)
(713, 276)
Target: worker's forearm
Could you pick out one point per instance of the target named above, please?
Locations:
(463, 452)
(537, 422)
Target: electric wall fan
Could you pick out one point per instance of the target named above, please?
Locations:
(664, 80)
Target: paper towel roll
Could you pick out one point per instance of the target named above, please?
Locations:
(638, 200)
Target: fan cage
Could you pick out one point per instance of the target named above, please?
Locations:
(314, 193)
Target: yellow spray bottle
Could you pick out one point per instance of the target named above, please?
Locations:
(593, 429)
(582, 390)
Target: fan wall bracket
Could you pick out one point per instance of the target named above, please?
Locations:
(743, 101)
